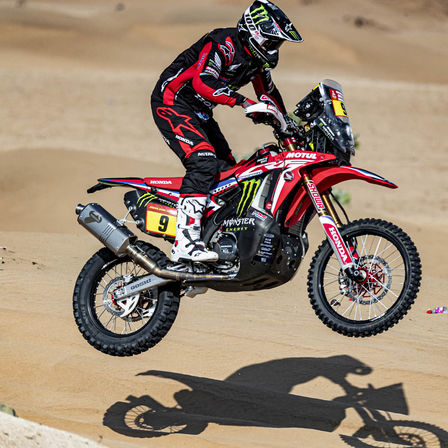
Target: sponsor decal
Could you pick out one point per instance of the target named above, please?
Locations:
(165, 83)
(239, 222)
(288, 176)
(250, 188)
(339, 109)
(164, 182)
(259, 15)
(141, 283)
(206, 154)
(253, 29)
(327, 130)
(211, 71)
(335, 237)
(93, 217)
(185, 140)
(201, 59)
(336, 95)
(146, 198)
(294, 35)
(259, 215)
(301, 155)
(216, 62)
(177, 121)
(228, 51)
(233, 68)
(223, 91)
(315, 195)
(266, 250)
(251, 172)
(265, 99)
(203, 116)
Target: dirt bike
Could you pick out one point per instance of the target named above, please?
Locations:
(362, 280)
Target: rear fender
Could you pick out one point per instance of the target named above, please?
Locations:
(325, 178)
(130, 182)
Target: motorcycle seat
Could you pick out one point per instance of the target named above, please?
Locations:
(174, 183)
(167, 183)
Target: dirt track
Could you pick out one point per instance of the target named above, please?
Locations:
(237, 370)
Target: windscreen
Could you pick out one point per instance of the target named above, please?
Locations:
(334, 121)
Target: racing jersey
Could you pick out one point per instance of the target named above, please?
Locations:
(211, 71)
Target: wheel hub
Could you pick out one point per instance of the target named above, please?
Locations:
(376, 284)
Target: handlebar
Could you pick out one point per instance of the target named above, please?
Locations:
(272, 113)
(268, 113)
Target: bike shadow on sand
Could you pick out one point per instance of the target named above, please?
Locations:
(259, 395)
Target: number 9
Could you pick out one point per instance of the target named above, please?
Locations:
(164, 220)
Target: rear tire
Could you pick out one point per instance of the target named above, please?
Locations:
(96, 319)
(392, 261)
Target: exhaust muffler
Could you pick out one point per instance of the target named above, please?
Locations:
(120, 240)
(101, 224)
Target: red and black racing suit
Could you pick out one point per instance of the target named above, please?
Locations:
(206, 74)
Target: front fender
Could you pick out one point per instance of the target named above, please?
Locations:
(325, 178)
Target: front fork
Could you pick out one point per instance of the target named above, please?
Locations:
(330, 222)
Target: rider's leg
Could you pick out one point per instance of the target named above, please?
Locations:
(220, 144)
(182, 131)
(201, 168)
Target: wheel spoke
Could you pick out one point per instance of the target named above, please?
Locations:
(334, 269)
(348, 308)
(331, 282)
(363, 249)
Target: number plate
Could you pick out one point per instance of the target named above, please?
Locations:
(161, 219)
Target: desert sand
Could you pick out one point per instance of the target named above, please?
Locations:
(254, 369)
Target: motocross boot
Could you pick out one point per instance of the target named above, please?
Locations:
(188, 244)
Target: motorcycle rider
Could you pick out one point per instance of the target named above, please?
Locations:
(209, 73)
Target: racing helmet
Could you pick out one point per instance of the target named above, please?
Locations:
(262, 30)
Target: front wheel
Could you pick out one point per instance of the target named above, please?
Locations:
(100, 317)
(393, 273)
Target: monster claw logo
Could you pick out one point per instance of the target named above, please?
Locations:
(260, 15)
(145, 199)
(250, 188)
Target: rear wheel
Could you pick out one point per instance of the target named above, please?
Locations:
(393, 273)
(131, 327)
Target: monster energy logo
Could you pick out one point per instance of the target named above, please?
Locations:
(146, 198)
(294, 35)
(259, 15)
(250, 188)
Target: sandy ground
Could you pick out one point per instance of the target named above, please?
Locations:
(237, 370)
(19, 433)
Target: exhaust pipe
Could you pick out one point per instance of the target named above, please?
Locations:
(120, 240)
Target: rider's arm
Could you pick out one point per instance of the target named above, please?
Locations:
(263, 85)
(206, 80)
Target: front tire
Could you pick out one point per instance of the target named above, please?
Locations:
(98, 315)
(392, 263)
